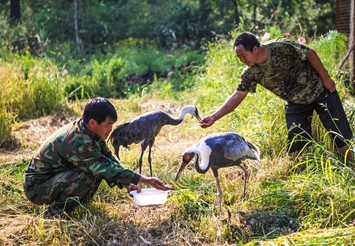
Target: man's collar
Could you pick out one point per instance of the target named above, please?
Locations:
(83, 129)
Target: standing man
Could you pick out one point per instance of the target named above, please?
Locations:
(70, 165)
(296, 74)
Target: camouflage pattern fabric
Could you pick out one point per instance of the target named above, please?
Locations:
(71, 161)
(287, 73)
(63, 191)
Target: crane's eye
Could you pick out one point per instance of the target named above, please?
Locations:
(188, 157)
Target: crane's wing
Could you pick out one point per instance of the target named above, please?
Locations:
(230, 145)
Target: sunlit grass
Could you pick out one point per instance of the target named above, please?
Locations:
(306, 201)
(29, 89)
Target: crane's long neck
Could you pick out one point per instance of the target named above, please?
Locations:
(181, 115)
(174, 121)
(201, 160)
(183, 112)
(187, 109)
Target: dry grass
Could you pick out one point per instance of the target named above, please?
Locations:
(109, 219)
(190, 216)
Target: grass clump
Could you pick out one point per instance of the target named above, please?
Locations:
(30, 89)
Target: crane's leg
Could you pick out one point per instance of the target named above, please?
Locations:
(144, 145)
(151, 142)
(140, 162)
(219, 190)
(246, 177)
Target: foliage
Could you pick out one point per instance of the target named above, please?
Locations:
(93, 26)
(298, 17)
(330, 48)
(31, 88)
(108, 75)
(20, 38)
(300, 201)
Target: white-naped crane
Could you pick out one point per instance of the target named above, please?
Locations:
(220, 150)
(144, 129)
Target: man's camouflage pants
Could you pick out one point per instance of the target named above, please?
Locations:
(63, 191)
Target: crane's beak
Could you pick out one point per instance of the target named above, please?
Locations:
(116, 148)
(197, 116)
(183, 165)
(187, 157)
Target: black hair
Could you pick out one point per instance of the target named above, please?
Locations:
(248, 40)
(99, 109)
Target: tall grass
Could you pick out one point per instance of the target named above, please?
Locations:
(30, 88)
(104, 74)
(34, 86)
(307, 201)
(321, 195)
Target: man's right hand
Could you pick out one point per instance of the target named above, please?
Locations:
(207, 122)
(156, 183)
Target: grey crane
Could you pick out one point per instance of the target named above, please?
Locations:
(144, 129)
(220, 150)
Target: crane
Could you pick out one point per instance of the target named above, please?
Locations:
(220, 150)
(144, 129)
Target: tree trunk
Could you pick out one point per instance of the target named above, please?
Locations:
(15, 10)
(77, 38)
(236, 13)
(254, 13)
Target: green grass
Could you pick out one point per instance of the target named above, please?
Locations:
(307, 201)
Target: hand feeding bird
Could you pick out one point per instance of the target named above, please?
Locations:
(217, 151)
(144, 129)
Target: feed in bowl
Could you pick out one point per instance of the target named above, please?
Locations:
(149, 197)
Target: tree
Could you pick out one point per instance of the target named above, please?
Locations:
(15, 10)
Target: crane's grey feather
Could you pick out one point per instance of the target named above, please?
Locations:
(144, 128)
(220, 150)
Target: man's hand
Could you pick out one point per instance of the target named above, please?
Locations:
(156, 183)
(207, 122)
(329, 84)
(133, 187)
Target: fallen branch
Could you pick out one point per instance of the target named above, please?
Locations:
(346, 56)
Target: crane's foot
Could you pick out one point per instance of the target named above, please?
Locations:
(218, 201)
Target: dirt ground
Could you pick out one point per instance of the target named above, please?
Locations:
(28, 136)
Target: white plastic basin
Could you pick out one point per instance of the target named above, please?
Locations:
(149, 197)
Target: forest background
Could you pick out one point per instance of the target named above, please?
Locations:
(93, 45)
(148, 55)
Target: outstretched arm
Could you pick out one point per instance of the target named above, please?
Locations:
(228, 106)
(315, 61)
